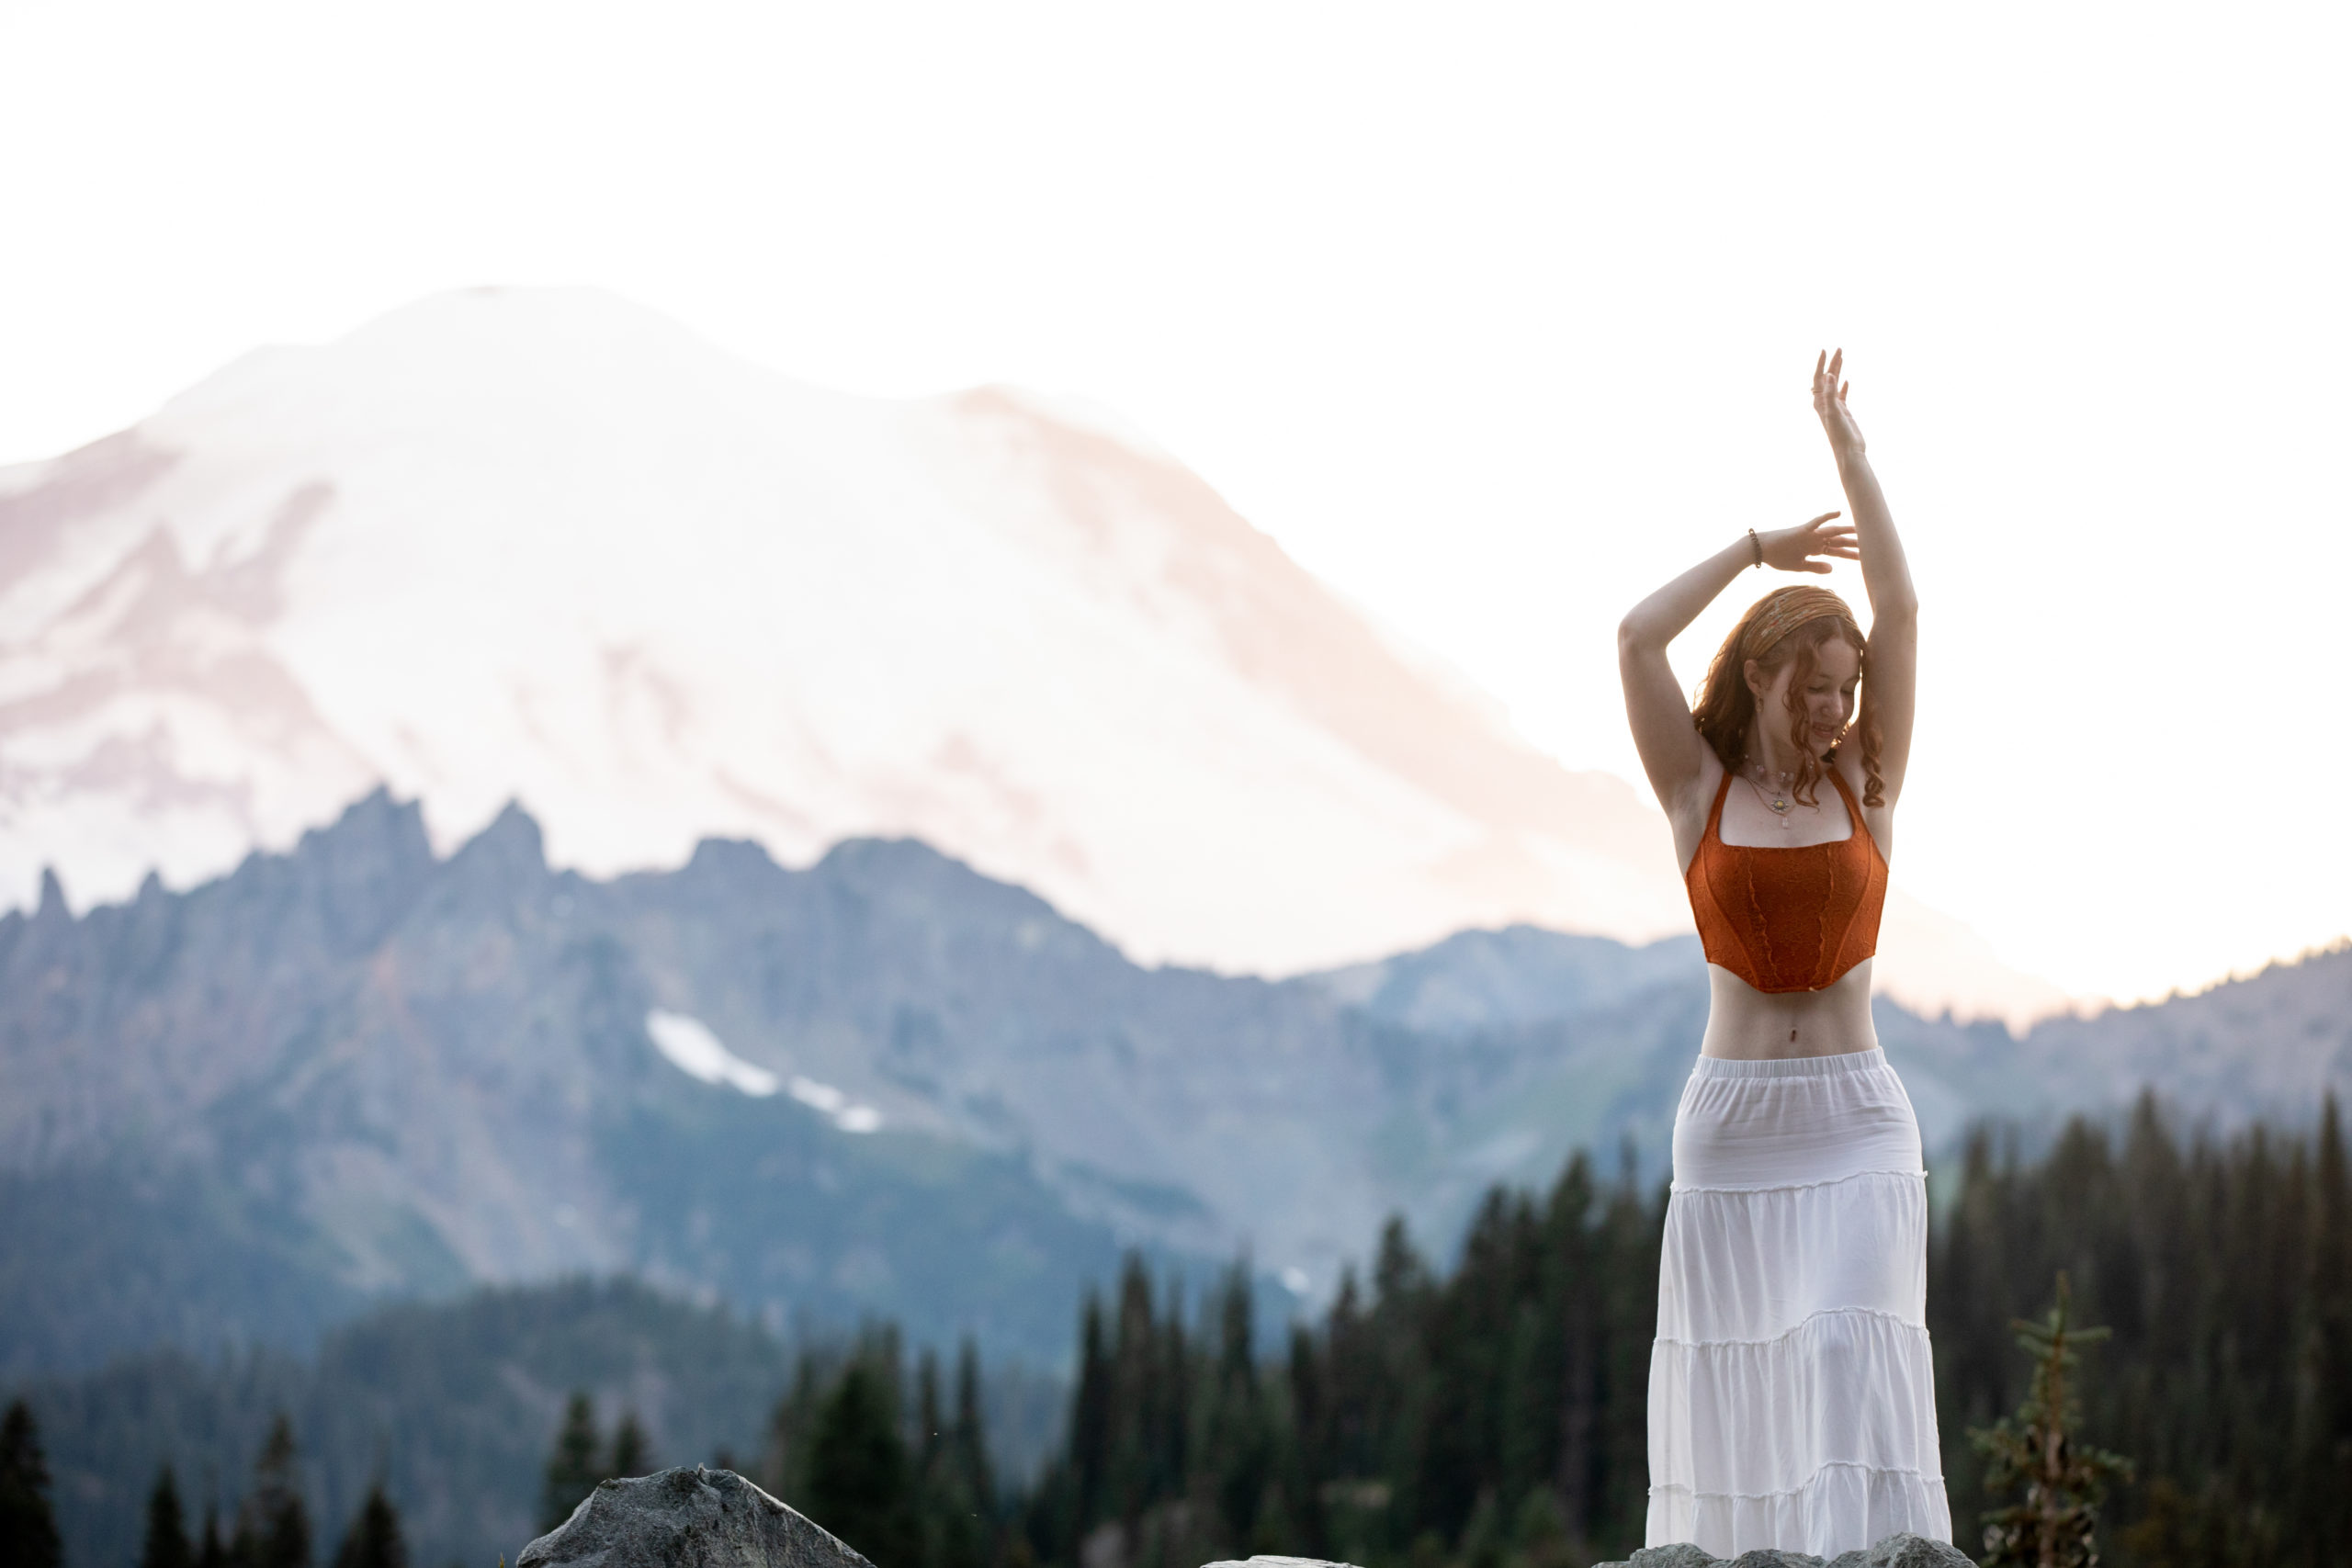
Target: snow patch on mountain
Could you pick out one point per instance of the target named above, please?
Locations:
(847, 1115)
(687, 1045)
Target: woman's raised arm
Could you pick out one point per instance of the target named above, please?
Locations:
(1673, 755)
(1886, 577)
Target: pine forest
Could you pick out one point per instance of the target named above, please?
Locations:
(1491, 1414)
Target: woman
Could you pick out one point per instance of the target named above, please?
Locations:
(1792, 1395)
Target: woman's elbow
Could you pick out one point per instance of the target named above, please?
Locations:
(1632, 638)
(1895, 610)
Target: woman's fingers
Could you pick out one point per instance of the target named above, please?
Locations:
(1820, 520)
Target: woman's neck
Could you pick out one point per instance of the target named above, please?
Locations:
(1771, 754)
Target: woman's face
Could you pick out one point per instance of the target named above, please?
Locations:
(1827, 698)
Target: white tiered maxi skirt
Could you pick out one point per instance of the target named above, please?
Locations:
(1791, 1394)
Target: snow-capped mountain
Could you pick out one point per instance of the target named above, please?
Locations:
(544, 545)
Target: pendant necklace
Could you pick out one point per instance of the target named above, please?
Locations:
(1779, 800)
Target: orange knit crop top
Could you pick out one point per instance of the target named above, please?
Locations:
(1790, 919)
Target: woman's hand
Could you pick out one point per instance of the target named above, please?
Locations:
(1829, 402)
(1794, 550)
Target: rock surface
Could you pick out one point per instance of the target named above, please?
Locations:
(1904, 1550)
(694, 1517)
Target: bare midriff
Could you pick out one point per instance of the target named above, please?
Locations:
(1745, 1024)
(1789, 934)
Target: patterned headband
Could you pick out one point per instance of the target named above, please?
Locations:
(1788, 610)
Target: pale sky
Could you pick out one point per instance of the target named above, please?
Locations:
(1496, 316)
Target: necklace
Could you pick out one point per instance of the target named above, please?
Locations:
(1779, 800)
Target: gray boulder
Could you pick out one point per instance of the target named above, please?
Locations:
(1904, 1550)
(686, 1518)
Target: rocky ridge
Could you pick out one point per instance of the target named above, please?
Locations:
(884, 1084)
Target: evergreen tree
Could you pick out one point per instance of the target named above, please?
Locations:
(632, 1455)
(962, 1488)
(273, 1523)
(2055, 1525)
(1133, 1474)
(211, 1551)
(1238, 1437)
(933, 1506)
(2323, 1482)
(28, 1524)
(167, 1545)
(931, 1427)
(374, 1539)
(572, 1472)
(970, 1445)
(782, 1464)
(1304, 1456)
(1090, 1419)
(958, 1528)
(858, 1482)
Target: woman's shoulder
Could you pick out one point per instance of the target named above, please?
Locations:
(1880, 818)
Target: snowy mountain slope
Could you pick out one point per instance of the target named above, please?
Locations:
(543, 545)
